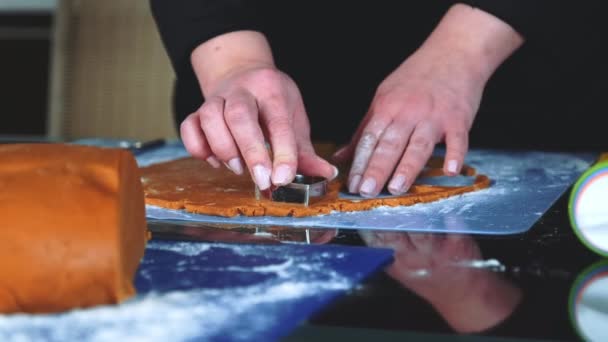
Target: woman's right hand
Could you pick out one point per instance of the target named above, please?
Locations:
(247, 106)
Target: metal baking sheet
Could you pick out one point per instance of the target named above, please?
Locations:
(525, 185)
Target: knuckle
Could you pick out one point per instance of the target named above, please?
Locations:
(381, 98)
(405, 168)
(188, 125)
(453, 153)
(288, 159)
(204, 113)
(376, 171)
(196, 150)
(422, 144)
(275, 102)
(458, 138)
(461, 108)
(191, 117)
(463, 111)
(268, 77)
(456, 150)
(251, 152)
(279, 123)
(390, 143)
(419, 103)
(385, 103)
(283, 135)
(237, 112)
(368, 140)
(183, 127)
(222, 150)
(459, 133)
(274, 98)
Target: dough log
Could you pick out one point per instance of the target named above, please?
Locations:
(73, 227)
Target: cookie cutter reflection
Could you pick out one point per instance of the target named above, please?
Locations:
(588, 208)
(588, 303)
(197, 231)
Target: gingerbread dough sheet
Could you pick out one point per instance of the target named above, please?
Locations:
(194, 186)
(524, 185)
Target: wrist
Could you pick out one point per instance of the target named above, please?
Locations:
(221, 57)
(478, 40)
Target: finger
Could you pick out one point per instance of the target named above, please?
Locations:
(323, 236)
(346, 153)
(364, 150)
(456, 238)
(241, 115)
(368, 236)
(277, 119)
(194, 140)
(310, 164)
(423, 242)
(417, 153)
(219, 138)
(457, 144)
(385, 157)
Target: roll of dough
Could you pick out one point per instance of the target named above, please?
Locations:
(73, 226)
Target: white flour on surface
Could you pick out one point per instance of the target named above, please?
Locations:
(202, 313)
(485, 264)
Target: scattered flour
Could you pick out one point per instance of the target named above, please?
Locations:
(234, 312)
(486, 264)
(184, 248)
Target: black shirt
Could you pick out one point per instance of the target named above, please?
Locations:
(546, 96)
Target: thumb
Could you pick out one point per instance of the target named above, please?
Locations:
(346, 153)
(310, 164)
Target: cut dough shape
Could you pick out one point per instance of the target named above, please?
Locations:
(73, 226)
(196, 187)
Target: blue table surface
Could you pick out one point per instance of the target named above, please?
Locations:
(190, 291)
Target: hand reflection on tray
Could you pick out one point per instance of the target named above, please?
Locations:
(448, 271)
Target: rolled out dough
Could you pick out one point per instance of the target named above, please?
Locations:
(196, 187)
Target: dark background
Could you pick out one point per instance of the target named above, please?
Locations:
(548, 96)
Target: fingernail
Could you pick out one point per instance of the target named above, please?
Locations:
(368, 187)
(235, 165)
(335, 174)
(282, 175)
(452, 166)
(396, 185)
(261, 175)
(354, 184)
(213, 161)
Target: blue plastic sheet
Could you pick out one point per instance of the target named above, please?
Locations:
(219, 292)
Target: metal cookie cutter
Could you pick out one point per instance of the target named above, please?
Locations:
(302, 190)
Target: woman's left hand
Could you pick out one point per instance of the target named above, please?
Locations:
(430, 98)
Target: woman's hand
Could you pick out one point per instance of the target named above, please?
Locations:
(250, 103)
(431, 97)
